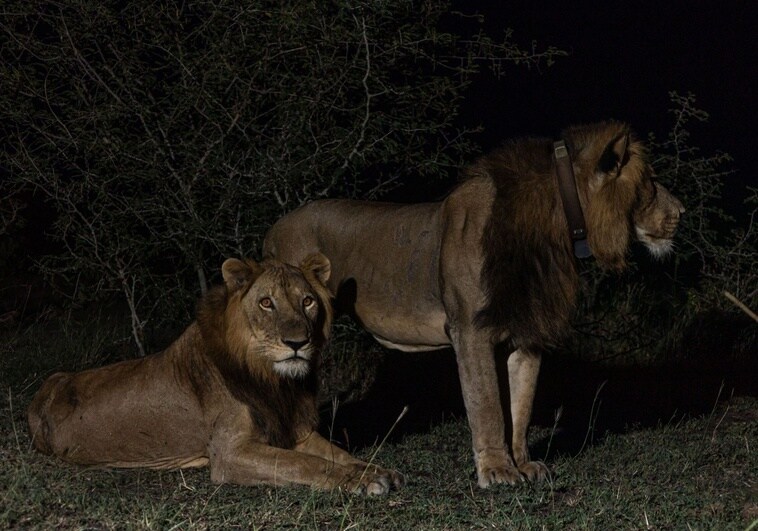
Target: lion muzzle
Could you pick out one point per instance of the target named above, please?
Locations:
(296, 344)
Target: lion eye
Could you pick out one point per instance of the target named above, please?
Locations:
(266, 303)
(308, 302)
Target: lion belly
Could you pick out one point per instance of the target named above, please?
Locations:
(385, 265)
(121, 415)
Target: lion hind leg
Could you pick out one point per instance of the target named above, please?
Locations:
(523, 371)
(39, 411)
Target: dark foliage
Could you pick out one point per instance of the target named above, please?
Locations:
(161, 138)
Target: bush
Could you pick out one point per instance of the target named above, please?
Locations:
(165, 137)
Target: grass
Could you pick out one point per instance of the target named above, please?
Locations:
(689, 471)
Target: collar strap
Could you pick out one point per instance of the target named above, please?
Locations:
(570, 199)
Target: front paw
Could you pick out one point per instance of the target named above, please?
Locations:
(374, 481)
(494, 465)
(396, 479)
(535, 471)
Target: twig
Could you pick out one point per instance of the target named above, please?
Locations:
(741, 306)
(13, 420)
(558, 415)
(397, 420)
(715, 405)
(593, 417)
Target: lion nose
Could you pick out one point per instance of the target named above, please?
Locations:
(295, 345)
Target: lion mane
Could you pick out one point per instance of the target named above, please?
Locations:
(528, 259)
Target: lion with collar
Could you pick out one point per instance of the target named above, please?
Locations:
(492, 264)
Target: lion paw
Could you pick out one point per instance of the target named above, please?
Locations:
(397, 480)
(494, 467)
(374, 480)
(535, 471)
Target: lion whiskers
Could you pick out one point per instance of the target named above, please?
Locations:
(659, 248)
(286, 364)
(280, 360)
(292, 368)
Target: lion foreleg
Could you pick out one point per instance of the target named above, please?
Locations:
(523, 370)
(256, 464)
(481, 396)
(315, 444)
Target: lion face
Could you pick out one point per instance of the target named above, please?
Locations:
(624, 201)
(656, 218)
(282, 312)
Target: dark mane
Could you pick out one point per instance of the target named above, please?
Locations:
(277, 405)
(529, 273)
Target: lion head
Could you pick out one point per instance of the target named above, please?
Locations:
(276, 317)
(621, 199)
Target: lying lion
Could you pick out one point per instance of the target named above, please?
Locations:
(236, 392)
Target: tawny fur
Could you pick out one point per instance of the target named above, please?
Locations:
(490, 264)
(236, 391)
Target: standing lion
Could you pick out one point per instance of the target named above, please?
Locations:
(490, 264)
(235, 392)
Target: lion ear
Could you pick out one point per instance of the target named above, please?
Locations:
(237, 273)
(319, 265)
(615, 155)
